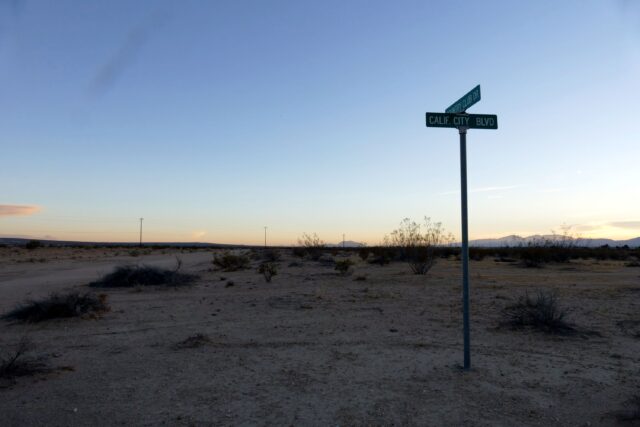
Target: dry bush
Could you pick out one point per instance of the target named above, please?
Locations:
(541, 313)
(271, 255)
(415, 246)
(230, 262)
(363, 253)
(312, 245)
(18, 362)
(343, 266)
(268, 270)
(135, 275)
(57, 306)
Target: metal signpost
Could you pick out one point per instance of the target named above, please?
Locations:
(455, 117)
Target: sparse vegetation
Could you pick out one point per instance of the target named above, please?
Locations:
(541, 313)
(268, 270)
(271, 255)
(18, 362)
(312, 245)
(231, 262)
(363, 253)
(33, 244)
(416, 247)
(140, 275)
(343, 266)
(56, 306)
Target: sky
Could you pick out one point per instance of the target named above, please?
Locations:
(212, 120)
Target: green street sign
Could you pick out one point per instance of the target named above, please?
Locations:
(461, 105)
(469, 121)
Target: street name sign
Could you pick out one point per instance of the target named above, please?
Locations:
(469, 121)
(461, 105)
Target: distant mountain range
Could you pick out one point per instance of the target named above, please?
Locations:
(523, 241)
(512, 241)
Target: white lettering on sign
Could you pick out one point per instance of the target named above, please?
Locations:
(439, 120)
(461, 121)
(485, 121)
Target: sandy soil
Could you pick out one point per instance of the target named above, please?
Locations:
(315, 348)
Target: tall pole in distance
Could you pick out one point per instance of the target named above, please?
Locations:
(342, 240)
(141, 231)
(265, 237)
(465, 247)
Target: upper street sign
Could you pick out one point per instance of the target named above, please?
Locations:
(468, 121)
(461, 105)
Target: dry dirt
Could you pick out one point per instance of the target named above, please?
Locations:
(316, 348)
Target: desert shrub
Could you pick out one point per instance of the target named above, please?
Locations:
(382, 255)
(127, 276)
(363, 253)
(18, 361)
(541, 313)
(633, 263)
(271, 255)
(56, 306)
(416, 247)
(298, 251)
(313, 246)
(134, 253)
(33, 244)
(230, 262)
(268, 270)
(343, 266)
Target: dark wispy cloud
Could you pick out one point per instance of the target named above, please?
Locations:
(125, 55)
(18, 210)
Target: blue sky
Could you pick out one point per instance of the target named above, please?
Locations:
(214, 119)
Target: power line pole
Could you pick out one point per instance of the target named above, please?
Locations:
(265, 237)
(342, 240)
(141, 231)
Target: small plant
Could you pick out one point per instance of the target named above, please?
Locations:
(541, 313)
(128, 276)
(268, 270)
(363, 253)
(33, 244)
(57, 306)
(134, 253)
(17, 362)
(343, 266)
(230, 262)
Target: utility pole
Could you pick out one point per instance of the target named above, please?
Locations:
(265, 237)
(141, 231)
(342, 240)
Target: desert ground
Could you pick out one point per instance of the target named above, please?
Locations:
(379, 346)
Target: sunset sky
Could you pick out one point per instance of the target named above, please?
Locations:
(214, 119)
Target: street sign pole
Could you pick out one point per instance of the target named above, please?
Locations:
(465, 247)
(456, 116)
